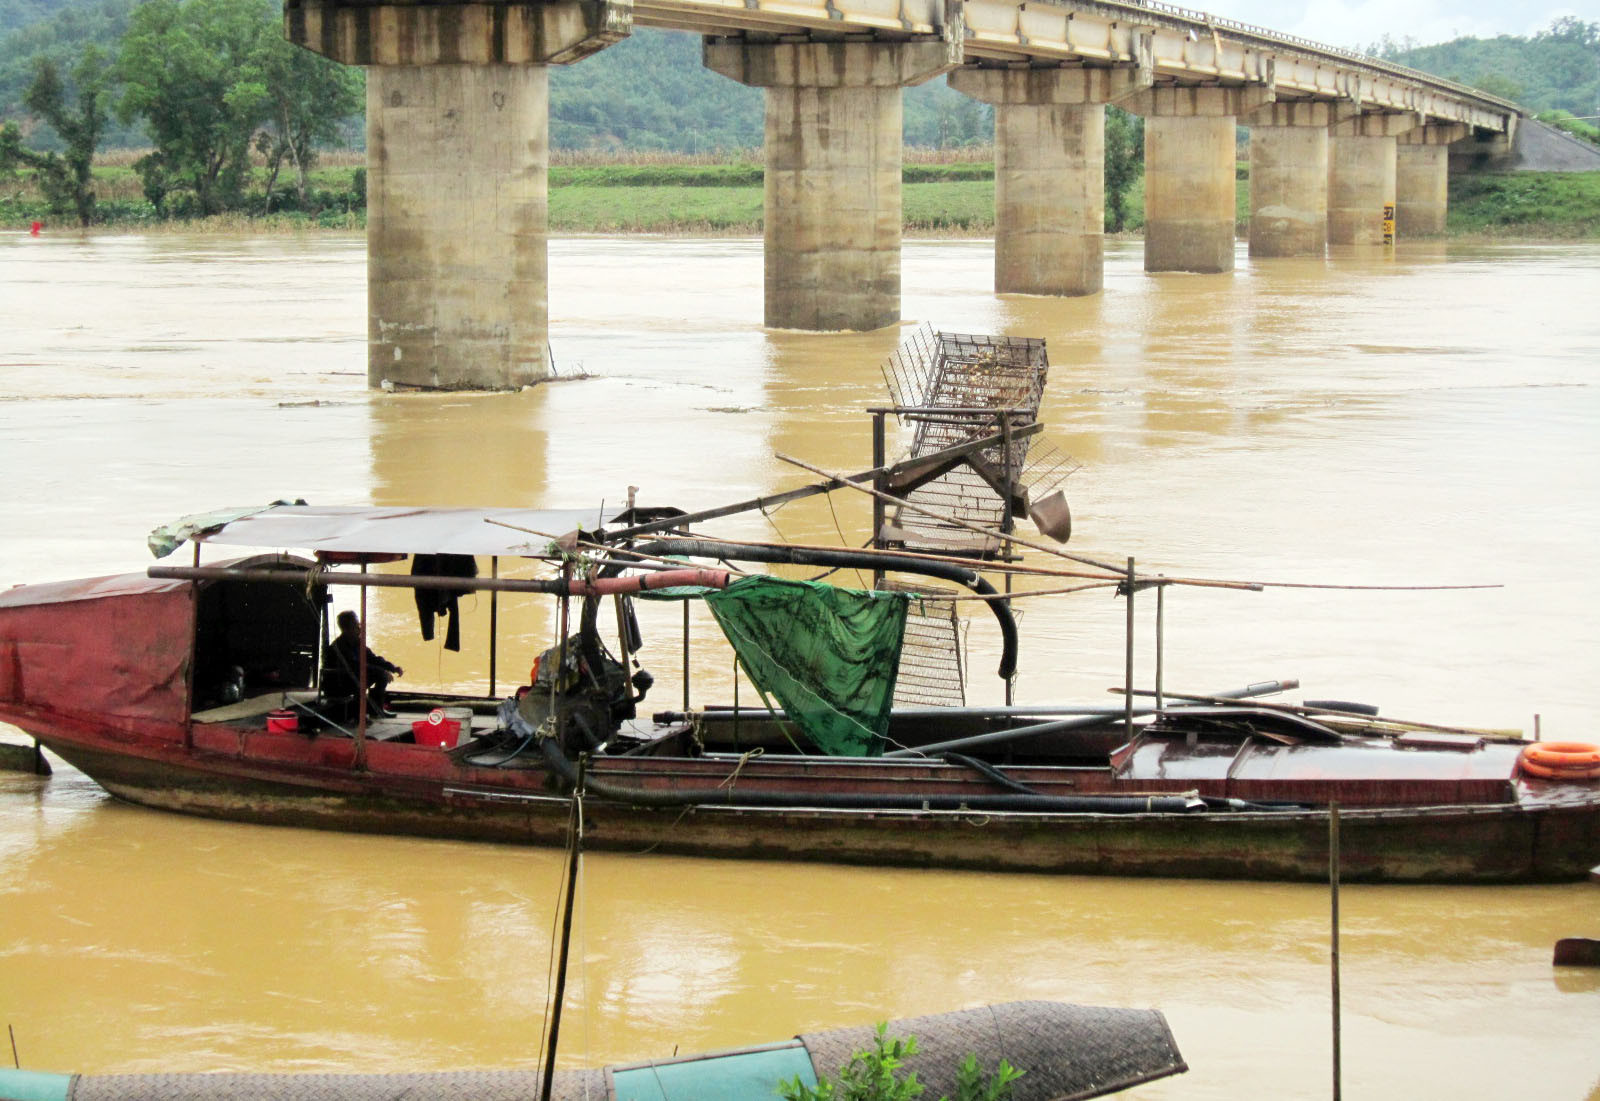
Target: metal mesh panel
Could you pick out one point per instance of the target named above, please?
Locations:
(932, 673)
(934, 370)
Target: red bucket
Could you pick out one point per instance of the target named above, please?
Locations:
(443, 733)
(283, 721)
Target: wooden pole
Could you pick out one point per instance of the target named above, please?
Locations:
(494, 621)
(948, 519)
(361, 682)
(1333, 883)
(566, 933)
(1161, 635)
(1127, 678)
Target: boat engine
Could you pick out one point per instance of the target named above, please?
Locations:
(580, 693)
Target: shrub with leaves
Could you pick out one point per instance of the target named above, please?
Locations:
(879, 1075)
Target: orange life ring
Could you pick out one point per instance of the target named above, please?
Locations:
(1562, 760)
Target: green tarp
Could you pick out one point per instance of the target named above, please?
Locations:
(828, 655)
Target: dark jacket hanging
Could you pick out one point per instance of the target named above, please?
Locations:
(437, 602)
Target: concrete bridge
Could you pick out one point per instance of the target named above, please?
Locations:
(1344, 149)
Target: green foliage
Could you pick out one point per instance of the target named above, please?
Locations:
(650, 93)
(1578, 128)
(743, 174)
(937, 116)
(948, 173)
(1545, 204)
(306, 98)
(1556, 68)
(668, 209)
(191, 70)
(66, 181)
(878, 1075)
(1124, 164)
(213, 79)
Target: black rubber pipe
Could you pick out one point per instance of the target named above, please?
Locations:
(849, 559)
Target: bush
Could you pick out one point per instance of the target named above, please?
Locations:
(877, 1075)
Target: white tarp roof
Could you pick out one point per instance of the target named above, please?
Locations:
(399, 530)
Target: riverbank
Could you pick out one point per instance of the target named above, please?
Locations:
(938, 199)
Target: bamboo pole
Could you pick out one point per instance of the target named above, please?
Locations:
(1127, 671)
(987, 533)
(1333, 883)
(566, 933)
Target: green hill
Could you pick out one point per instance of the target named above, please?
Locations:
(1555, 70)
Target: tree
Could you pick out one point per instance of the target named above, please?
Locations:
(307, 97)
(192, 69)
(64, 179)
(1124, 164)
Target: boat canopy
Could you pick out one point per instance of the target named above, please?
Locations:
(364, 530)
(132, 649)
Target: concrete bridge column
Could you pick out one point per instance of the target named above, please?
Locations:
(1289, 179)
(832, 211)
(1422, 179)
(1361, 179)
(457, 156)
(1049, 178)
(1189, 169)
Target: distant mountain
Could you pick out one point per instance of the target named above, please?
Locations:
(1557, 69)
(59, 30)
(650, 92)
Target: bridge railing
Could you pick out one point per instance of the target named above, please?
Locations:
(1267, 34)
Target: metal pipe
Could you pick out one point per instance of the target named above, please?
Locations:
(554, 587)
(998, 736)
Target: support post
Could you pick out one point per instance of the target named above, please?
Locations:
(832, 213)
(1361, 178)
(457, 156)
(1422, 179)
(1189, 170)
(1049, 172)
(1289, 179)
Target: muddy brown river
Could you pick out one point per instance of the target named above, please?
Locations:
(1427, 419)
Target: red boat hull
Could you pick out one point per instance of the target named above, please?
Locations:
(1547, 833)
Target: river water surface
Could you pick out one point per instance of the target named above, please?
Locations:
(1427, 419)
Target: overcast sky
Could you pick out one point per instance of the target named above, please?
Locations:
(1360, 23)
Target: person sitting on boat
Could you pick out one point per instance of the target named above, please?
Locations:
(341, 669)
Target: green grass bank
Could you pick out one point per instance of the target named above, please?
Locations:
(726, 199)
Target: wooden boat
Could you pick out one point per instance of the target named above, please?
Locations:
(1063, 1051)
(166, 688)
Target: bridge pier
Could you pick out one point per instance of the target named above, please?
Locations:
(457, 163)
(1289, 179)
(1361, 178)
(1189, 170)
(832, 206)
(1049, 173)
(1422, 179)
